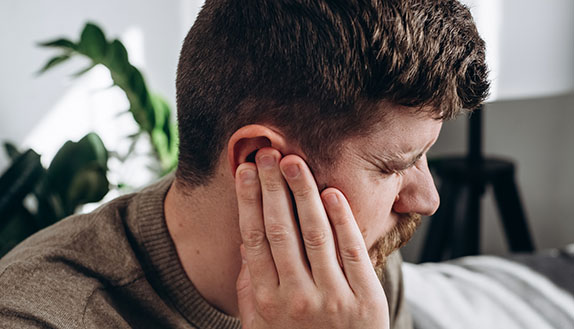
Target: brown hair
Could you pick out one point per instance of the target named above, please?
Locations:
(317, 68)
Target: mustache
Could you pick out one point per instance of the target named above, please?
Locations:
(399, 235)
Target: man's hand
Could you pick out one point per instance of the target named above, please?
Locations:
(289, 282)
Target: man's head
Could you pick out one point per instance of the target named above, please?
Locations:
(359, 89)
(319, 71)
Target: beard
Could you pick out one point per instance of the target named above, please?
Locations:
(399, 235)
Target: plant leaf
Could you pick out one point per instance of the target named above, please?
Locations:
(87, 185)
(93, 42)
(17, 182)
(71, 159)
(20, 226)
(161, 110)
(54, 62)
(59, 43)
(98, 148)
(11, 150)
(50, 207)
(83, 71)
(164, 135)
(141, 105)
(117, 58)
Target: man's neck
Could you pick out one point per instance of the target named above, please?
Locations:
(204, 227)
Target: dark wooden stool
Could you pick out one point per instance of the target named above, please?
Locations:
(455, 229)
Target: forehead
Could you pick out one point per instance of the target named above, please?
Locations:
(401, 132)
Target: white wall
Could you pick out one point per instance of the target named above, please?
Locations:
(535, 133)
(152, 31)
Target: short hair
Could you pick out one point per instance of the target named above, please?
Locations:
(317, 69)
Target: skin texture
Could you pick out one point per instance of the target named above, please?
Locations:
(386, 179)
(281, 271)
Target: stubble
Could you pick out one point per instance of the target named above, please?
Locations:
(399, 235)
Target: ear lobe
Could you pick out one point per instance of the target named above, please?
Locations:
(247, 140)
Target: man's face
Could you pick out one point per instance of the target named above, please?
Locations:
(386, 179)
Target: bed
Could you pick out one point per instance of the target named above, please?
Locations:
(518, 291)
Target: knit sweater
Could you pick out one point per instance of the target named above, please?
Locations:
(117, 267)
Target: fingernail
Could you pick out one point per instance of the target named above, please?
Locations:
(291, 171)
(266, 161)
(247, 175)
(332, 199)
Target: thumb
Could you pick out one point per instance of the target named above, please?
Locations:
(245, 298)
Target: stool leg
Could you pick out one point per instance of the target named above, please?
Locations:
(439, 232)
(466, 233)
(513, 218)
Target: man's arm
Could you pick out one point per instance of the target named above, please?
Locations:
(324, 279)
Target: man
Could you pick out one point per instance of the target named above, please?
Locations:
(304, 127)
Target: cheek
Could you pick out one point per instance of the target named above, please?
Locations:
(371, 201)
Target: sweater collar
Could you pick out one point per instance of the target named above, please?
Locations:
(165, 265)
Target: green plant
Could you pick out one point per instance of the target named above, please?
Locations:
(33, 197)
(150, 111)
(75, 176)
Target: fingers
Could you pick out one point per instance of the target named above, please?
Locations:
(257, 251)
(315, 228)
(352, 249)
(281, 228)
(274, 251)
(291, 272)
(245, 297)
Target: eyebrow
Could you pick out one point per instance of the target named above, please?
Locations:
(396, 161)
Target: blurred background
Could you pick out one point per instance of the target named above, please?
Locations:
(44, 111)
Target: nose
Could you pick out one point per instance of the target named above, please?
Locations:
(418, 192)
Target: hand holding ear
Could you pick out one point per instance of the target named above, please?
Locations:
(291, 276)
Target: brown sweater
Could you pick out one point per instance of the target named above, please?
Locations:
(117, 268)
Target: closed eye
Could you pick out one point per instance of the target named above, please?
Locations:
(400, 168)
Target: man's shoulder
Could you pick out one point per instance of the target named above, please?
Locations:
(56, 270)
(86, 240)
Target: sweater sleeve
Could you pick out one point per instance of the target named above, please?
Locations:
(33, 296)
(20, 321)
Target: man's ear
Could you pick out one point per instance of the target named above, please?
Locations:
(247, 140)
